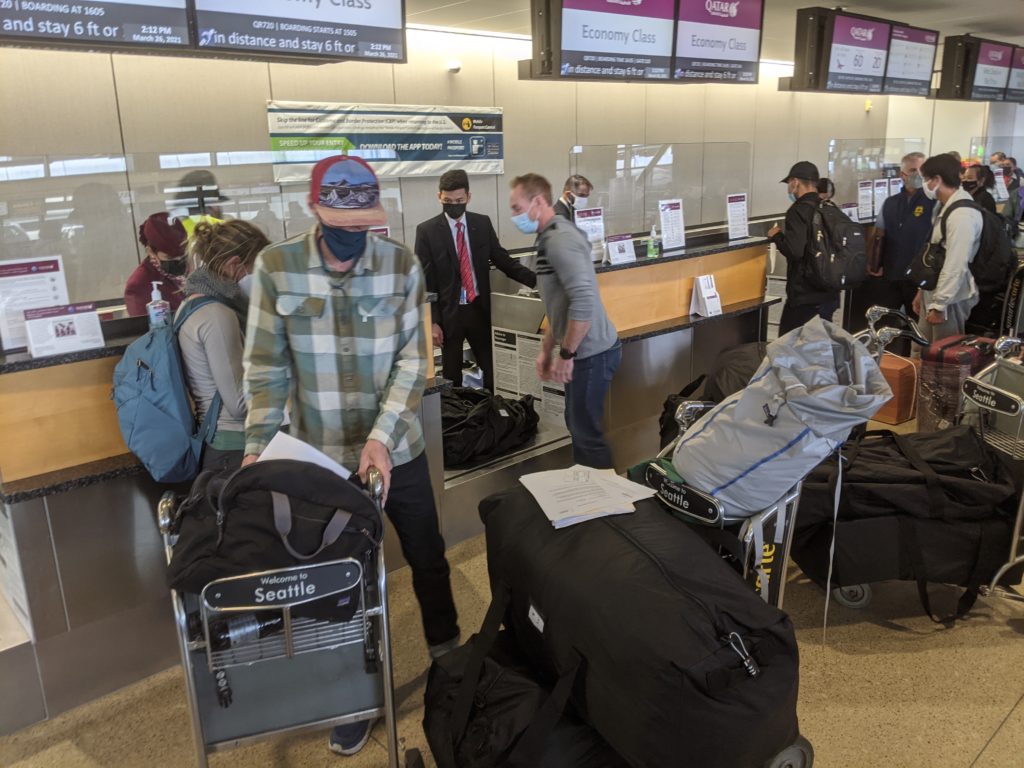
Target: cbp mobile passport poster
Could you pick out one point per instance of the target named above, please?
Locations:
(627, 39)
(719, 40)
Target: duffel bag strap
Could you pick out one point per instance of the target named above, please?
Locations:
(936, 497)
(531, 744)
(912, 548)
(283, 524)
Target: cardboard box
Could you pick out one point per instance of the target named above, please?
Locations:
(902, 375)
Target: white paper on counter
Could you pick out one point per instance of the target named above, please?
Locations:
(673, 224)
(284, 446)
(620, 249)
(865, 202)
(852, 210)
(590, 221)
(881, 194)
(704, 299)
(739, 226)
(28, 284)
(59, 330)
(895, 186)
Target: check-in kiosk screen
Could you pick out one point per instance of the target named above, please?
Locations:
(1015, 91)
(992, 72)
(338, 29)
(857, 56)
(911, 61)
(145, 23)
(618, 41)
(718, 41)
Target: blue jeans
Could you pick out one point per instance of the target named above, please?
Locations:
(584, 407)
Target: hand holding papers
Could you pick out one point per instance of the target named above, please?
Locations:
(284, 446)
(577, 494)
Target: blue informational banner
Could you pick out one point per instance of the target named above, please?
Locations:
(398, 140)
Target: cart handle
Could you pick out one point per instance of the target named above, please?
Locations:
(375, 483)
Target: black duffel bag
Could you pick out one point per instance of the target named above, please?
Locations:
(269, 515)
(484, 709)
(683, 664)
(925, 507)
(477, 426)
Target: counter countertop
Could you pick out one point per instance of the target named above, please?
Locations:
(710, 247)
(688, 321)
(23, 361)
(125, 465)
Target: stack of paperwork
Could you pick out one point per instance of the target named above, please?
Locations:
(577, 494)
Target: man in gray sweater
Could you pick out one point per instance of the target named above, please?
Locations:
(589, 350)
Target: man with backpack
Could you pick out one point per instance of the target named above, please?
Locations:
(804, 299)
(957, 224)
(336, 320)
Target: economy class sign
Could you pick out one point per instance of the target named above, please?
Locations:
(718, 40)
(617, 39)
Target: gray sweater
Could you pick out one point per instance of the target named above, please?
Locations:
(211, 348)
(568, 286)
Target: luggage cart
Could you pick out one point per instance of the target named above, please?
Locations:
(259, 663)
(993, 402)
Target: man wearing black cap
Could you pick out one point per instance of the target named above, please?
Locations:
(803, 300)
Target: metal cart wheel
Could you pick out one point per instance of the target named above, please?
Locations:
(853, 596)
(800, 754)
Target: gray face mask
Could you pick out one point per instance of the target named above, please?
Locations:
(916, 181)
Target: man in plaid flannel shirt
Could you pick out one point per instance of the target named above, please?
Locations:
(335, 322)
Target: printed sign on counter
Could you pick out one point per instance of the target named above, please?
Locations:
(673, 226)
(515, 372)
(704, 300)
(149, 23)
(851, 210)
(859, 51)
(719, 40)
(739, 225)
(865, 201)
(28, 284)
(58, 330)
(881, 194)
(992, 74)
(895, 186)
(1002, 192)
(591, 222)
(620, 249)
(626, 40)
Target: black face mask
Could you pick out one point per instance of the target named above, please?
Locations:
(454, 210)
(970, 186)
(174, 267)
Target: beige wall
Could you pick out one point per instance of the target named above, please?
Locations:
(58, 103)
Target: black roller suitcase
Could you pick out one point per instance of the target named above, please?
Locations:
(682, 663)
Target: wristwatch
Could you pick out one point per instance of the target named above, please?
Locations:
(565, 354)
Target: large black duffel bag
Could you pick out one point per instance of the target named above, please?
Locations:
(477, 426)
(682, 663)
(927, 507)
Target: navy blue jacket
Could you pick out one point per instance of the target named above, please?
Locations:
(908, 226)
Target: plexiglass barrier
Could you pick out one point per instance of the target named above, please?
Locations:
(851, 161)
(630, 179)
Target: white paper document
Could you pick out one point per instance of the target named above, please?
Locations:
(620, 249)
(865, 202)
(895, 186)
(58, 330)
(852, 210)
(590, 221)
(1002, 191)
(673, 225)
(284, 446)
(28, 284)
(575, 495)
(739, 227)
(704, 300)
(881, 194)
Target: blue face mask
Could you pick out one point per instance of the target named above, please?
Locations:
(343, 245)
(525, 224)
(792, 197)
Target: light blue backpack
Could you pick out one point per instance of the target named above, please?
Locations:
(153, 404)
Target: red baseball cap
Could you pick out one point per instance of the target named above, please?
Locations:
(345, 193)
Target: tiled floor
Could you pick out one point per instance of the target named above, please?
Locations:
(887, 688)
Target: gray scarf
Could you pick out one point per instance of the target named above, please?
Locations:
(206, 283)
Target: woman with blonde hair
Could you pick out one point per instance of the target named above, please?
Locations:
(211, 337)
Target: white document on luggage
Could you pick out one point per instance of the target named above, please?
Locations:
(577, 494)
(284, 446)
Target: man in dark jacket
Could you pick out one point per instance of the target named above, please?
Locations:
(457, 249)
(803, 299)
(575, 194)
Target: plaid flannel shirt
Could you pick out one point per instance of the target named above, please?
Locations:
(348, 348)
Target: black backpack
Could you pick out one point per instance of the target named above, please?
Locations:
(837, 253)
(269, 515)
(991, 267)
(477, 426)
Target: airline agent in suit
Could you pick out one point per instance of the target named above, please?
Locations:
(457, 249)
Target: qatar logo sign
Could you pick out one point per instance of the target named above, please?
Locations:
(996, 56)
(862, 34)
(722, 9)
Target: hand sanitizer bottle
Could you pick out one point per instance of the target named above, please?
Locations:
(652, 244)
(158, 309)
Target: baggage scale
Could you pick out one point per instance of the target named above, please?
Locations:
(257, 665)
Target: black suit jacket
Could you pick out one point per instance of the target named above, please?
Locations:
(435, 247)
(565, 211)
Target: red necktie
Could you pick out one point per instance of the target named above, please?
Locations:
(465, 267)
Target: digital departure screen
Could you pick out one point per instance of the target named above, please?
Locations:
(911, 61)
(146, 23)
(1015, 90)
(718, 40)
(857, 55)
(617, 39)
(992, 72)
(337, 29)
